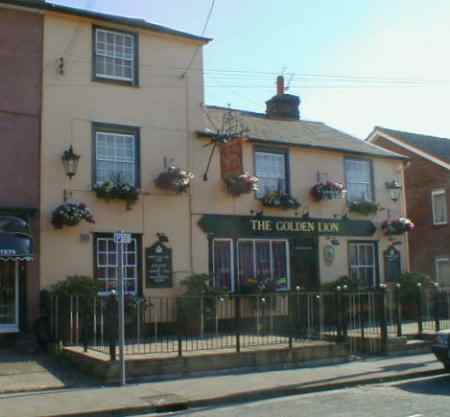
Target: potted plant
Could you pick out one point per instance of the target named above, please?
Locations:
(241, 184)
(328, 190)
(117, 189)
(363, 207)
(174, 179)
(71, 214)
(397, 226)
(278, 199)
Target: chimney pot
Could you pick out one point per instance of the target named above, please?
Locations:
(280, 85)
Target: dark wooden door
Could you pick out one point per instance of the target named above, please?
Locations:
(304, 265)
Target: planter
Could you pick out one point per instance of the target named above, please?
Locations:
(71, 214)
(363, 207)
(241, 184)
(280, 200)
(117, 190)
(329, 190)
(397, 226)
(174, 179)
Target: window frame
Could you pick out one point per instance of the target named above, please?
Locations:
(436, 192)
(437, 260)
(120, 130)
(139, 260)
(372, 177)
(134, 82)
(232, 266)
(374, 244)
(278, 151)
(254, 240)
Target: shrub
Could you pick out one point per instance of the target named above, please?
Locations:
(76, 285)
(352, 284)
(410, 288)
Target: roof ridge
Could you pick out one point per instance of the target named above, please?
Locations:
(411, 133)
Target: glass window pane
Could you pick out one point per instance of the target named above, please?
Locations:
(263, 267)
(440, 208)
(443, 272)
(222, 264)
(270, 169)
(279, 256)
(246, 262)
(359, 179)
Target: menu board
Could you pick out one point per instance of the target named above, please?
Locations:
(158, 263)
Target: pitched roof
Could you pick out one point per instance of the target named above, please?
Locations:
(433, 145)
(300, 133)
(128, 21)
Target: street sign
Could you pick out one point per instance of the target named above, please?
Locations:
(122, 237)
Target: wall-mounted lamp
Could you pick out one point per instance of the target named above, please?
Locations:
(394, 188)
(70, 161)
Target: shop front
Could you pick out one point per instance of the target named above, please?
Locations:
(277, 253)
(15, 249)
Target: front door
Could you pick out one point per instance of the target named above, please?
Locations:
(9, 297)
(304, 265)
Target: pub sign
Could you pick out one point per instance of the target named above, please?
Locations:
(158, 264)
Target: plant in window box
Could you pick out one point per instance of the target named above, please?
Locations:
(71, 214)
(329, 190)
(174, 179)
(363, 207)
(117, 189)
(241, 184)
(397, 226)
(277, 199)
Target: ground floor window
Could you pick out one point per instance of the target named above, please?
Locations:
(9, 296)
(362, 262)
(106, 263)
(442, 266)
(223, 264)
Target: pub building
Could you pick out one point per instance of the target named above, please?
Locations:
(284, 235)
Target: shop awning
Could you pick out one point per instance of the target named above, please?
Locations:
(15, 239)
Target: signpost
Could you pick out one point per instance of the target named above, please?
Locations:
(120, 239)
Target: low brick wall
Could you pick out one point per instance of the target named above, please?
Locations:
(158, 369)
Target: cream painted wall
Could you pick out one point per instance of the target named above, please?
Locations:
(166, 108)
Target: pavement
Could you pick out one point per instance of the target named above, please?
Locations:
(214, 390)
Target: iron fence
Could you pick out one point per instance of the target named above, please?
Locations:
(176, 325)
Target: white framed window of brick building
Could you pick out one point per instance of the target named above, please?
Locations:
(115, 56)
(439, 206)
(442, 271)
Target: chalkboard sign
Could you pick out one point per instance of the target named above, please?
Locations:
(158, 261)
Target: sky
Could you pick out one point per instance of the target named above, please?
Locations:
(354, 63)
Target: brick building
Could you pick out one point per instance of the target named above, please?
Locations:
(427, 180)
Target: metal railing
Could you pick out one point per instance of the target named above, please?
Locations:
(177, 325)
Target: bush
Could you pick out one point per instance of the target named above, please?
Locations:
(351, 284)
(76, 285)
(409, 288)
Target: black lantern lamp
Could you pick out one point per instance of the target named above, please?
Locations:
(70, 161)
(394, 189)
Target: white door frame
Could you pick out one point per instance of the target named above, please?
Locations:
(13, 327)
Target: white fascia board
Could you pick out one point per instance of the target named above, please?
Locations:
(410, 148)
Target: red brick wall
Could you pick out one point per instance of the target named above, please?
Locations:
(421, 177)
(20, 125)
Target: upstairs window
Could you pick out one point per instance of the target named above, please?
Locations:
(115, 55)
(439, 205)
(116, 154)
(358, 174)
(270, 168)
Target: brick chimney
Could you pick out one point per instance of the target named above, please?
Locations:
(283, 106)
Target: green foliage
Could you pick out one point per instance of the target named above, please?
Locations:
(363, 207)
(352, 284)
(410, 288)
(76, 285)
(199, 284)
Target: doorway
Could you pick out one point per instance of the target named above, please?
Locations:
(304, 265)
(9, 297)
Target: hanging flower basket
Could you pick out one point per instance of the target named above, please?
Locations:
(397, 226)
(71, 214)
(174, 179)
(330, 190)
(241, 184)
(280, 200)
(363, 207)
(117, 190)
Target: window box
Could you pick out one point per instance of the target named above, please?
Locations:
(397, 226)
(71, 214)
(329, 190)
(174, 179)
(280, 200)
(363, 207)
(241, 184)
(117, 190)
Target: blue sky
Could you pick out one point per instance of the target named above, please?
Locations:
(400, 48)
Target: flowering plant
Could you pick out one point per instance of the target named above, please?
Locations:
(71, 214)
(397, 226)
(363, 207)
(277, 199)
(117, 190)
(327, 190)
(174, 179)
(241, 184)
